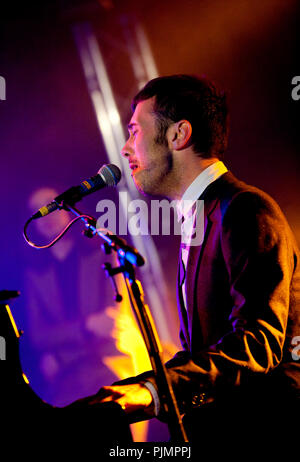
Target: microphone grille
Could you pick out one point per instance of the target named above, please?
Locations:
(111, 174)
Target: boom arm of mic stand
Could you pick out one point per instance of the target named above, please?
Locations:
(128, 257)
(115, 242)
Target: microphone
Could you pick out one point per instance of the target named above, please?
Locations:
(108, 175)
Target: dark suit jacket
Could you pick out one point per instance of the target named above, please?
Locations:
(243, 303)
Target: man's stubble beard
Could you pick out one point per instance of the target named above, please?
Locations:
(158, 186)
(155, 181)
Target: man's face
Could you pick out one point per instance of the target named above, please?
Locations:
(149, 160)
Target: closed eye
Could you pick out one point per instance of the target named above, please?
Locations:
(132, 129)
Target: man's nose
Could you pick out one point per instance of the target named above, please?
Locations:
(126, 150)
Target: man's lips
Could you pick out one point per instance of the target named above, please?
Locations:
(133, 166)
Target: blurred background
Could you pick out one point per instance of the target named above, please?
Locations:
(71, 69)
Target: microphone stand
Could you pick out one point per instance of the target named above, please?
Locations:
(128, 258)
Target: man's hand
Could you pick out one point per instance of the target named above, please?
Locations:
(132, 397)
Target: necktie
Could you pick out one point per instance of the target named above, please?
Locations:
(186, 234)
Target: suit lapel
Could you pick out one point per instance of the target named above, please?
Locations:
(194, 259)
(210, 197)
(193, 264)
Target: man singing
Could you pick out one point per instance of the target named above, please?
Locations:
(239, 289)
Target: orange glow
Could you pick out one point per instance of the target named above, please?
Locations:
(129, 341)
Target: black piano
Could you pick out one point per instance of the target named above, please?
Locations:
(29, 422)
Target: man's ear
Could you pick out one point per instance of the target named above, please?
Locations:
(179, 135)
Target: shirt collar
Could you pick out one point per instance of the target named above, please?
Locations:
(198, 186)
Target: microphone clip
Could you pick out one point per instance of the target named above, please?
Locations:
(111, 272)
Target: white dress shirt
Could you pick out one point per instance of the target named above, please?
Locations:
(185, 209)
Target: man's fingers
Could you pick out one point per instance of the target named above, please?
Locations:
(105, 394)
(108, 392)
(117, 398)
(130, 397)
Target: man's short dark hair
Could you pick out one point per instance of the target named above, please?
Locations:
(195, 99)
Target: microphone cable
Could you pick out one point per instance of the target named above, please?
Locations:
(58, 237)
